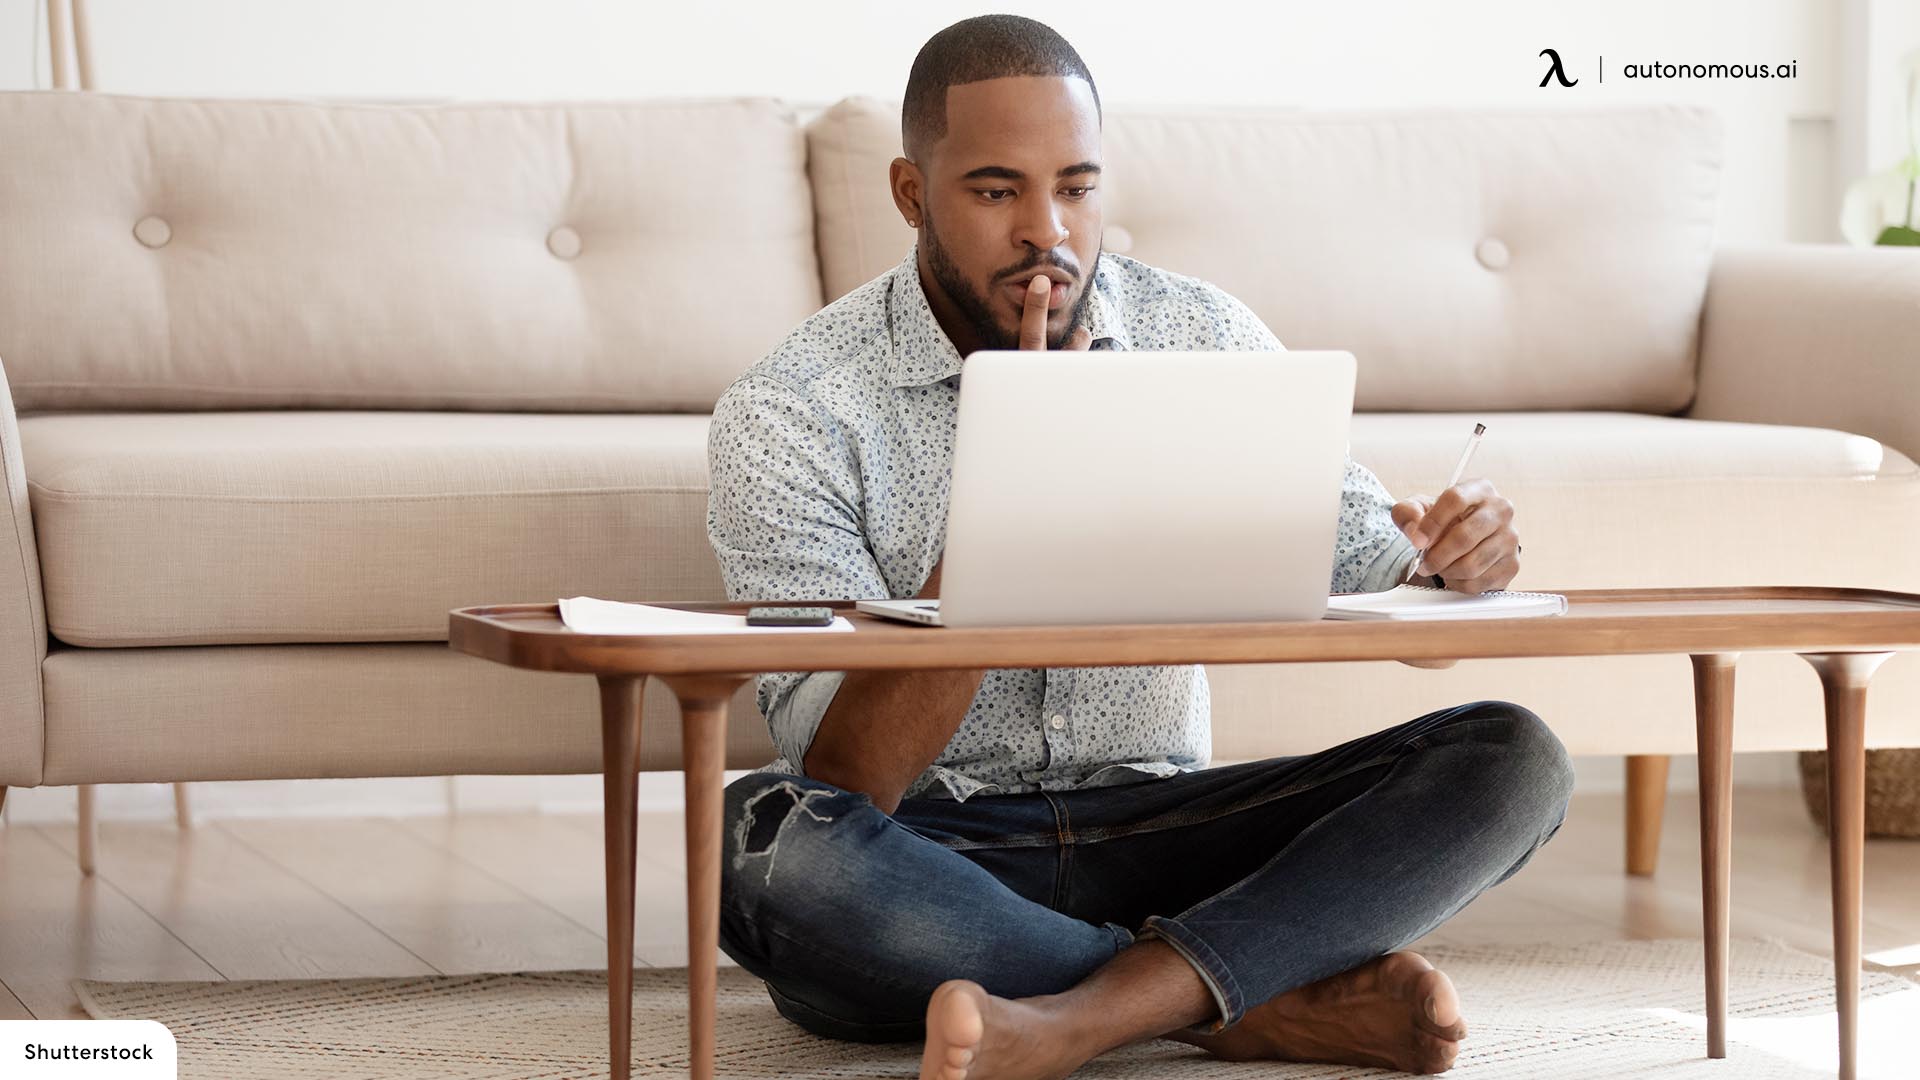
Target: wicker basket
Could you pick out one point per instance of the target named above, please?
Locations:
(1893, 790)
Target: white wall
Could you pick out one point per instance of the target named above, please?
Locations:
(1780, 183)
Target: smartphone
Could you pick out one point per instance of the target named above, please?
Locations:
(790, 616)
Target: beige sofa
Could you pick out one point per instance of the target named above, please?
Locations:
(289, 381)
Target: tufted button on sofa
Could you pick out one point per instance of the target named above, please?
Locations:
(152, 231)
(285, 382)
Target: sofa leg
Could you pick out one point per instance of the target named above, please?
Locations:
(1646, 800)
(182, 813)
(89, 832)
(4, 820)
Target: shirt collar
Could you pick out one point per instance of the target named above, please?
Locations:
(1105, 315)
(922, 352)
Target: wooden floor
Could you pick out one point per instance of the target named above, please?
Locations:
(281, 899)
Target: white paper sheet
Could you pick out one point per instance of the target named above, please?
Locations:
(1425, 602)
(590, 616)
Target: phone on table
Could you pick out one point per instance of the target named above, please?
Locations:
(790, 616)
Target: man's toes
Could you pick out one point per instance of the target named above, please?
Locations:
(956, 1022)
(1433, 1054)
(1437, 1005)
(1424, 1021)
(961, 1008)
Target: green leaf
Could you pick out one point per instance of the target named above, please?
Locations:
(1899, 236)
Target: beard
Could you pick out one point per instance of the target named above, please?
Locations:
(974, 307)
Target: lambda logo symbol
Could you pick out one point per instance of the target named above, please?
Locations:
(1554, 70)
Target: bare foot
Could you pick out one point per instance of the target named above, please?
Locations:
(972, 1035)
(1397, 1012)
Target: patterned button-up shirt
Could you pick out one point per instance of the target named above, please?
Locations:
(830, 462)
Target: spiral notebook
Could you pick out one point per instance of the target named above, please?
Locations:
(1426, 602)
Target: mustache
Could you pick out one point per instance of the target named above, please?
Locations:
(1027, 267)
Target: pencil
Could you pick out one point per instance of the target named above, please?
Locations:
(1466, 455)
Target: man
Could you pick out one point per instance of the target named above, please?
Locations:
(1026, 868)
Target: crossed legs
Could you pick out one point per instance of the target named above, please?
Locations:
(1253, 911)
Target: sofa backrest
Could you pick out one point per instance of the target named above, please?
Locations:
(1469, 259)
(167, 253)
(222, 254)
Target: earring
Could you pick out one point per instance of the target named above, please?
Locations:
(913, 223)
(1064, 233)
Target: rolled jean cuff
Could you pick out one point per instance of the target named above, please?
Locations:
(813, 1020)
(1207, 963)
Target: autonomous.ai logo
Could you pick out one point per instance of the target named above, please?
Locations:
(1663, 70)
(1555, 70)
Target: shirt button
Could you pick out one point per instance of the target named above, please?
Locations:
(1058, 722)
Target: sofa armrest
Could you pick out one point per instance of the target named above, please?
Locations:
(1814, 336)
(23, 621)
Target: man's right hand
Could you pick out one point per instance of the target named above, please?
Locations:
(1033, 319)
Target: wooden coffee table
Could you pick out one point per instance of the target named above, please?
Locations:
(1844, 633)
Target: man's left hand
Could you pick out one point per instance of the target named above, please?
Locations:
(1467, 533)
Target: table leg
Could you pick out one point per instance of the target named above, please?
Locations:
(703, 740)
(1713, 729)
(1844, 677)
(620, 758)
(1646, 801)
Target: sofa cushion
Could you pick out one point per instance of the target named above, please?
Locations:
(1470, 260)
(217, 528)
(167, 529)
(244, 254)
(1619, 500)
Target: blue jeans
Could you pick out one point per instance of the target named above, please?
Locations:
(1265, 876)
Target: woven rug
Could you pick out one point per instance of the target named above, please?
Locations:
(1608, 1009)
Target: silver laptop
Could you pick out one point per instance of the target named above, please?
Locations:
(1122, 487)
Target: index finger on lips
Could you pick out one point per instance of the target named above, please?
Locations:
(1033, 315)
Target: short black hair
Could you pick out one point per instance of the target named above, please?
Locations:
(974, 50)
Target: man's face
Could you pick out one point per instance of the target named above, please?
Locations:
(1009, 191)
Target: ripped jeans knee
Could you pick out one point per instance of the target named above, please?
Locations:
(761, 810)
